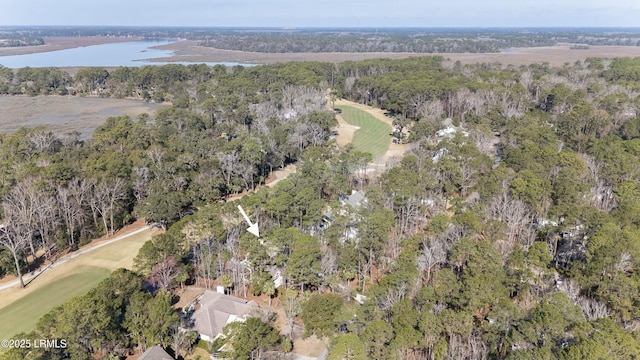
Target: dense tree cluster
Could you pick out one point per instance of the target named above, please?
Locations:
(254, 339)
(523, 260)
(234, 129)
(406, 40)
(15, 41)
(370, 41)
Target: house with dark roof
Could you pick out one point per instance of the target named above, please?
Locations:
(155, 353)
(215, 310)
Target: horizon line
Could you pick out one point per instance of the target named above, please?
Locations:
(584, 27)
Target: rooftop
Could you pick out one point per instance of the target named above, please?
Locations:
(155, 353)
(217, 310)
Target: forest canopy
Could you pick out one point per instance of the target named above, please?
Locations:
(508, 229)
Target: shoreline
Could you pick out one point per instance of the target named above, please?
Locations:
(63, 43)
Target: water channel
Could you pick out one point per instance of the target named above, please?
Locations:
(134, 53)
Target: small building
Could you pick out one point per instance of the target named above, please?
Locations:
(355, 200)
(155, 353)
(216, 310)
(360, 298)
(278, 280)
(449, 131)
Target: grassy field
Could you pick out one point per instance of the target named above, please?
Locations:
(188, 50)
(21, 308)
(24, 314)
(67, 113)
(373, 135)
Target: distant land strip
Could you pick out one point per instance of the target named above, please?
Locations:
(190, 51)
(62, 43)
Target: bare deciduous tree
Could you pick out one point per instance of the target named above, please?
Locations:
(140, 183)
(13, 239)
(415, 103)
(47, 220)
(434, 253)
(305, 134)
(20, 205)
(68, 212)
(625, 264)
(291, 307)
(468, 178)
(516, 215)
(42, 140)
(106, 195)
(182, 341)
(164, 273)
(592, 309)
(204, 253)
(156, 156)
(328, 261)
(432, 109)
(602, 196)
(301, 100)
(228, 163)
(393, 296)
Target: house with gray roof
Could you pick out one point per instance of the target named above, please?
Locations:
(215, 310)
(155, 353)
(355, 200)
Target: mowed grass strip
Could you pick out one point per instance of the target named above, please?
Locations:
(21, 308)
(22, 315)
(373, 135)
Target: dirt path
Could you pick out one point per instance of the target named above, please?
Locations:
(282, 174)
(274, 178)
(94, 245)
(345, 131)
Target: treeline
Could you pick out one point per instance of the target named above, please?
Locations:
(78, 31)
(20, 41)
(425, 40)
(188, 85)
(430, 88)
(398, 41)
(407, 40)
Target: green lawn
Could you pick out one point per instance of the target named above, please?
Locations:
(20, 309)
(373, 135)
(23, 314)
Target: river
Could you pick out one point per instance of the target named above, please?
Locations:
(134, 53)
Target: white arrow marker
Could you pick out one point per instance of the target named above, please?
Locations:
(253, 228)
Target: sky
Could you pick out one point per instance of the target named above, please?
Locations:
(325, 13)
